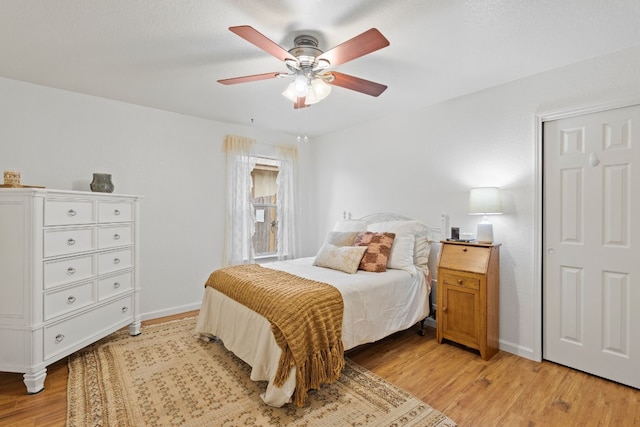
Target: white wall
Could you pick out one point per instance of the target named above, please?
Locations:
(58, 139)
(423, 163)
(419, 164)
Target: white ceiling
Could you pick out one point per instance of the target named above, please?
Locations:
(168, 54)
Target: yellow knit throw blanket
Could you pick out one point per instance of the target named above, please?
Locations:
(305, 316)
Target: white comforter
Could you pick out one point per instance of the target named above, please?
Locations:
(375, 306)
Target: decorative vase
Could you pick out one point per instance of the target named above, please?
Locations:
(101, 183)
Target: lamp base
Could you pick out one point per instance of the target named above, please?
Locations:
(485, 233)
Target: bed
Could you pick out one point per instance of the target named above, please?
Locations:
(375, 303)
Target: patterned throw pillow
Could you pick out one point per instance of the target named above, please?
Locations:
(378, 250)
(341, 258)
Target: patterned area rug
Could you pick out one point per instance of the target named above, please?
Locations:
(167, 376)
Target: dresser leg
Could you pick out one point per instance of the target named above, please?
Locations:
(35, 381)
(134, 328)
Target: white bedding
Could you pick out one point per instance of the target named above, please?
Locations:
(375, 306)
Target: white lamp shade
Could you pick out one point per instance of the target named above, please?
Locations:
(485, 201)
(318, 91)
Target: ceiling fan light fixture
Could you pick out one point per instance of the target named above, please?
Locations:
(301, 86)
(289, 93)
(319, 90)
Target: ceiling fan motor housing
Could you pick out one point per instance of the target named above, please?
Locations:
(306, 50)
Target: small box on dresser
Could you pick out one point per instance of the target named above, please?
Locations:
(69, 275)
(468, 295)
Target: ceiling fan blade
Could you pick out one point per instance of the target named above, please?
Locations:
(251, 35)
(300, 103)
(356, 83)
(367, 42)
(246, 79)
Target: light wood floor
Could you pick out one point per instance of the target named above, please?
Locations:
(504, 391)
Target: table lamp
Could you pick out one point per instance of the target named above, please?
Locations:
(485, 201)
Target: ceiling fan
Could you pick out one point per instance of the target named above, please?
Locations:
(308, 65)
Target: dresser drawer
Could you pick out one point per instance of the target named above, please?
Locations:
(68, 212)
(69, 299)
(115, 260)
(68, 270)
(114, 212)
(465, 258)
(68, 241)
(85, 327)
(451, 279)
(110, 237)
(114, 285)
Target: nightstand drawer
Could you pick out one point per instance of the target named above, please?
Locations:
(68, 241)
(68, 212)
(459, 280)
(465, 258)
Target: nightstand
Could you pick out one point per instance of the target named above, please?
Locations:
(468, 295)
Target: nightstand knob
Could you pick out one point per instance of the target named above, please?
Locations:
(459, 281)
(464, 250)
(444, 309)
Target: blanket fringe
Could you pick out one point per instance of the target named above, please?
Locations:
(322, 367)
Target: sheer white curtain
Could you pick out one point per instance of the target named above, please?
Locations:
(286, 206)
(240, 217)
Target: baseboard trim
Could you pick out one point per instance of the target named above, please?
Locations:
(171, 311)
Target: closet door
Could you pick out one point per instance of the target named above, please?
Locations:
(591, 289)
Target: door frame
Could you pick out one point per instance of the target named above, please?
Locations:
(538, 248)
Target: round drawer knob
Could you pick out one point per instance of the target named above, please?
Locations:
(464, 250)
(59, 338)
(71, 299)
(459, 281)
(116, 212)
(71, 212)
(71, 271)
(444, 309)
(125, 309)
(71, 242)
(116, 260)
(116, 237)
(116, 285)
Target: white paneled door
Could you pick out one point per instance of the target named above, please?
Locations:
(591, 290)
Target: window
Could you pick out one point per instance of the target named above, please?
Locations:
(264, 198)
(261, 206)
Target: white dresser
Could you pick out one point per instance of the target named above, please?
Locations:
(68, 275)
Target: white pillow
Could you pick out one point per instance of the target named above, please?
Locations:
(341, 238)
(398, 227)
(350, 225)
(401, 257)
(341, 258)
